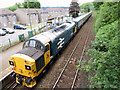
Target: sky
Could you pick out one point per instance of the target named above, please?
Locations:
(44, 3)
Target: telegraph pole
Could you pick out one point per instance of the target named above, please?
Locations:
(29, 15)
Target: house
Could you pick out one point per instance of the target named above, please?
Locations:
(25, 16)
(55, 12)
(7, 18)
(42, 15)
(67, 12)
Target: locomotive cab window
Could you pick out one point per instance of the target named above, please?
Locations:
(39, 46)
(26, 44)
(29, 43)
(33, 43)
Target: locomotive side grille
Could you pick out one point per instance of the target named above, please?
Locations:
(40, 63)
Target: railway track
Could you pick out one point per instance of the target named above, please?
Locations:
(10, 86)
(76, 74)
(49, 79)
(61, 77)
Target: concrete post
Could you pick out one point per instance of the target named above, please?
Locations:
(62, 19)
(9, 42)
(46, 26)
(54, 21)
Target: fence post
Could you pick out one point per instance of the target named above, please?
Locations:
(34, 32)
(21, 38)
(46, 26)
(39, 28)
(9, 42)
(30, 34)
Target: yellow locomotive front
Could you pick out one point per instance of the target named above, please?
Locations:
(29, 62)
(25, 69)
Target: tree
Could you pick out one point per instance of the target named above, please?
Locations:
(107, 13)
(86, 7)
(74, 9)
(32, 4)
(97, 4)
(14, 7)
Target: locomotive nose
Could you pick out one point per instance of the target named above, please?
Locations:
(22, 64)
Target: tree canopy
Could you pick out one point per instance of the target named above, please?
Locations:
(74, 9)
(86, 7)
(97, 5)
(14, 7)
(31, 4)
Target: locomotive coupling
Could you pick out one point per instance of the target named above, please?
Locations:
(25, 81)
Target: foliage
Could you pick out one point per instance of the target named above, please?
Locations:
(97, 5)
(74, 9)
(31, 4)
(86, 7)
(107, 14)
(31, 0)
(74, 15)
(34, 4)
(104, 62)
(14, 7)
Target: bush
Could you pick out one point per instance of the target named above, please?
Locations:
(107, 14)
(104, 62)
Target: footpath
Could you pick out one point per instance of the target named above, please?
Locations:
(5, 68)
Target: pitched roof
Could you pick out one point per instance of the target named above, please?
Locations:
(6, 11)
(30, 10)
(54, 9)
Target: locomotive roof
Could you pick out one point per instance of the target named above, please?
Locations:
(51, 34)
(81, 17)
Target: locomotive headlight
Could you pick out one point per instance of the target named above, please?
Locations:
(11, 62)
(27, 67)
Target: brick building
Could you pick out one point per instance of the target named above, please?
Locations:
(7, 18)
(23, 16)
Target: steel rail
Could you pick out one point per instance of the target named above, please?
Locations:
(80, 61)
(14, 84)
(67, 62)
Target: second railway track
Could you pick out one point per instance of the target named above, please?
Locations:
(69, 72)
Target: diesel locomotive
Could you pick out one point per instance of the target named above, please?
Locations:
(38, 51)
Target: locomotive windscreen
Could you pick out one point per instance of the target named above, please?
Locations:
(34, 43)
(33, 48)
